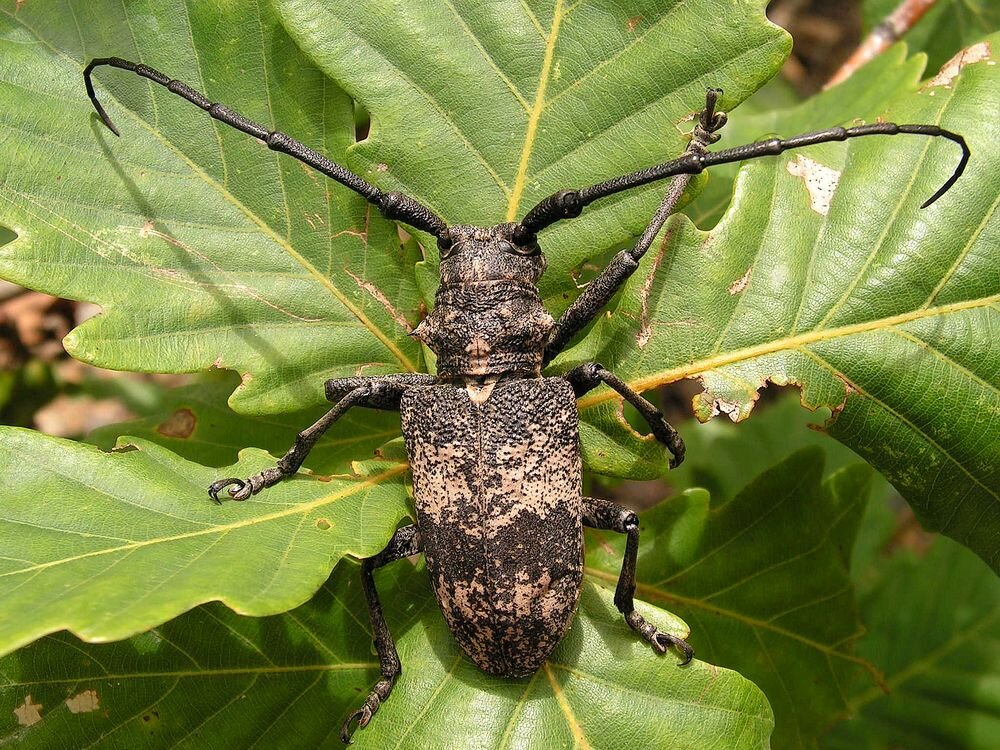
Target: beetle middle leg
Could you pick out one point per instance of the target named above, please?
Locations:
(405, 542)
(379, 392)
(588, 376)
(604, 514)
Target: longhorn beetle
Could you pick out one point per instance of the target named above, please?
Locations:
(493, 444)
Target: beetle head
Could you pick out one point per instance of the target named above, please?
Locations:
(470, 254)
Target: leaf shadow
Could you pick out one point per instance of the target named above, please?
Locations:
(238, 321)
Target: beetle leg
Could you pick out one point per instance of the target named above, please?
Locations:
(588, 376)
(389, 388)
(405, 542)
(380, 392)
(603, 514)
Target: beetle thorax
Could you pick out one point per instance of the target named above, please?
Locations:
(488, 319)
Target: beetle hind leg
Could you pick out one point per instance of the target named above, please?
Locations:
(405, 542)
(603, 514)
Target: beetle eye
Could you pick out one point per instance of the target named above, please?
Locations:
(447, 246)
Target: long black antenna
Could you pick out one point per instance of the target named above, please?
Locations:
(393, 205)
(567, 204)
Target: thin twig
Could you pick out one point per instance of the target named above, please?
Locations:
(885, 34)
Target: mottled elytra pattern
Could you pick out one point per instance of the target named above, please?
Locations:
(498, 497)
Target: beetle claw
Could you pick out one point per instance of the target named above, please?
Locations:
(362, 716)
(242, 491)
(662, 641)
(658, 640)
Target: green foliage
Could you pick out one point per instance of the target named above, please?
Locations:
(934, 628)
(195, 423)
(875, 309)
(210, 678)
(82, 528)
(205, 249)
(783, 613)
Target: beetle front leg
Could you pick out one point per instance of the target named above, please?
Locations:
(588, 376)
(603, 514)
(379, 392)
(405, 542)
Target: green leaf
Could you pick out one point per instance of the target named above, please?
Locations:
(204, 248)
(877, 310)
(723, 456)
(763, 581)
(247, 260)
(933, 626)
(948, 26)
(108, 545)
(862, 97)
(112, 519)
(484, 111)
(212, 678)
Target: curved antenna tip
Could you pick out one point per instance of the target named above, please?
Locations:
(92, 95)
(966, 153)
(107, 121)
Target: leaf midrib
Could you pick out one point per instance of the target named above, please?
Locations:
(536, 112)
(787, 343)
(923, 666)
(223, 529)
(652, 594)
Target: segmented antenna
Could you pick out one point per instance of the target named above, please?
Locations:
(567, 204)
(392, 205)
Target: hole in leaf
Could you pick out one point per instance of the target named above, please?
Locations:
(7, 235)
(180, 424)
(583, 273)
(362, 122)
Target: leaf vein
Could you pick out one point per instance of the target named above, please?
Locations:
(902, 197)
(531, 129)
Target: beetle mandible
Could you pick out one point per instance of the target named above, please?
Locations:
(493, 444)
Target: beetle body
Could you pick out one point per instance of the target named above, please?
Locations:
(496, 485)
(495, 458)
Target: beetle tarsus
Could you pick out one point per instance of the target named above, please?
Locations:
(216, 487)
(244, 488)
(604, 514)
(589, 375)
(363, 715)
(659, 640)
